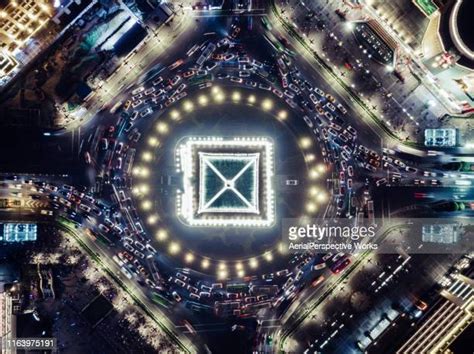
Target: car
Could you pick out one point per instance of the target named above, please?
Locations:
(299, 275)
(146, 112)
(294, 88)
(157, 81)
(349, 183)
(221, 76)
(341, 108)
(211, 66)
(175, 80)
(189, 74)
(327, 256)
(277, 93)
(176, 296)
(340, 266)
(319, 91)
(330, 98)
(223, 42)
(319, 266)
(139, 245)
(139, 254)
(244, 73)
(347, 149)
(381, 182)
(411, 169)
(182, 276)
(351, 130)
(421, 305)
(250, 83)
(104, 144)
(331, 107)
(138, 90)
(313, 98)
(343, 138)
(332, 132)
(308, 121)
(237, 80)
(318, 281)
(399, 163)
(328, 115)
(291, 182)
(290, 289)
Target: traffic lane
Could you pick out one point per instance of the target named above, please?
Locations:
(312, 75)
(366, 134)
(310, 69)
(372, 289)
(116, 85)
(132, 286)
(122, 90)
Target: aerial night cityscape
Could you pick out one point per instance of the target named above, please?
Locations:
(237, 176)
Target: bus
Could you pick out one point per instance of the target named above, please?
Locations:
(160, 300)
(266, 23)
(237, 288)
(274, 42)
(197, 80)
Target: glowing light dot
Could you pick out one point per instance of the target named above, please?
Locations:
(153, 141)
(281, 248)
(188, 106)
(203, 100)
(162, 235)
(189, 258)
(253, 263)
(313, 191)
(205, 264)
(174, 114)
(311, 207)
(146, 205)
(313, 173)
(152, 219)
(305, 142)
(252, 99)
(219, 97)
(267, 104)
(239, 266)
(136, 171)
(268, 256)
(222, 274)
(174, 248)
(282, 115)
(321, 197)
(162, 128)
(147, 156)
(236, 96)
(240, 273)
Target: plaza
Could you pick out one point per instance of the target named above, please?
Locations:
(226, 181)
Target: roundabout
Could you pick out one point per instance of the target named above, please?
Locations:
(218, 172)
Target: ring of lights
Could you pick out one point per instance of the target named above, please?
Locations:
(142, 171)
(454, 32)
